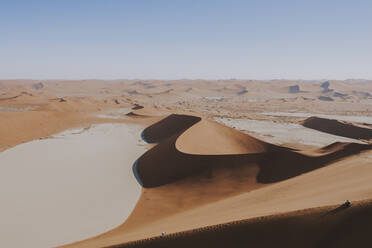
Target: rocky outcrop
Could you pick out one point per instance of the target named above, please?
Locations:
(325, 98)
(294, 89)
(338, 94)
(325, 87)
(38, 86)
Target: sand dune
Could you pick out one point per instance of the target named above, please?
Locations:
(202, 138)
(277, 132)
(332, 226)
(195, 150)
(350, 130)
(167, 171)
(188, 152)
(347, 179)
(302, 192)
(348, 118)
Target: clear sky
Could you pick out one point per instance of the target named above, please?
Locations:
(173, 39)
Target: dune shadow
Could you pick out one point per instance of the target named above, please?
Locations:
(167, 127)
(281, 165)
(342, 207)
(135, 172)
(336, 127)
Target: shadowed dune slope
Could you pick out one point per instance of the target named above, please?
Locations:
(277, 166)
(133, 114)
(339, 128)
(171, 125)
(331, 226)
(207, 145)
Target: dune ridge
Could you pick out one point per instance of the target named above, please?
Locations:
(188, 152)
(167, 127)
(328, 226)
(340, 128)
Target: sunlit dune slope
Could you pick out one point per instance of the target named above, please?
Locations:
(336, 127)
(211, 138)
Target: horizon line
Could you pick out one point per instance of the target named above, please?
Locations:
(190, 79)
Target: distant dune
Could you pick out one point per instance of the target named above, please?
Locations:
(340, 128)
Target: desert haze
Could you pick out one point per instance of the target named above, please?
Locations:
(185, 163)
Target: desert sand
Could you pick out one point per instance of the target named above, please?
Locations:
(254, 178)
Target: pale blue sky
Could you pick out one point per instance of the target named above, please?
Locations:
(172, 39)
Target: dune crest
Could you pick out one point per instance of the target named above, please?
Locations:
(167, 127)
(211, 138)
(206, 144)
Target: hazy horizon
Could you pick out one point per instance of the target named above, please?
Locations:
(172, 40)
(190, 79)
